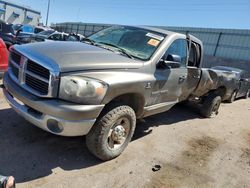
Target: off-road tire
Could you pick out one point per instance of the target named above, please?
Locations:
(247, 94)
(210, 106)
(232, 97)
(96, 139)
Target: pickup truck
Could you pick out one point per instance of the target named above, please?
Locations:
(100, 87)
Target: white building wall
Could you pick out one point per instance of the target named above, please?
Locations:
(9, 15)
(35, 18)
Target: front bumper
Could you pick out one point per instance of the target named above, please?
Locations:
(52, 115)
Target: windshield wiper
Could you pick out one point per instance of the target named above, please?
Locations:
(119, 49)
(88, 40)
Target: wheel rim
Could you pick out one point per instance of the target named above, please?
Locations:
(215, 109)
(118, 134)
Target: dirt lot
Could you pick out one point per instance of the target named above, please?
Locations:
(192, 152)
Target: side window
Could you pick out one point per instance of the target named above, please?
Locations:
(38, 30)
(55, 37)
(178, 48)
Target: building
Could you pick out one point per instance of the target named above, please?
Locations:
(17, 14)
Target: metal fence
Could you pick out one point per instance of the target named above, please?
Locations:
(225, 43)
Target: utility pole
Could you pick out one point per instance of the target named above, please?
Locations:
(47, 13)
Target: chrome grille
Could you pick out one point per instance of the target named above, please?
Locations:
(38, 69)
(36, 84)
(16, 58)
(32, 76)
(14, 69)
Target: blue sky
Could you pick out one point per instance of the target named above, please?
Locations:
(193, 13)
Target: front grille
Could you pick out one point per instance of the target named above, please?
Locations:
(16, 58)
(38, 69)
(30, 75)
(14, 70)
(36, 84)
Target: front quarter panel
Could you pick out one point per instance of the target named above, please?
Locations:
(122, 82)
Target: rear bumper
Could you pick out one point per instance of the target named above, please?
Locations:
(52, 115)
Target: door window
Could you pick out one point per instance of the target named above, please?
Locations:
(179, 47)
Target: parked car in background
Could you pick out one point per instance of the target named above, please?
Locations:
(39, 29)
(7, 33)
(242, 81)
(25, 33)
(57, 36)
(75, 37)
(16, 27)
(3, 58)
(40, 37)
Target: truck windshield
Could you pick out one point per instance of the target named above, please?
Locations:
(137, 42)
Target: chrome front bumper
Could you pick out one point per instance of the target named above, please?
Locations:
(55, 116)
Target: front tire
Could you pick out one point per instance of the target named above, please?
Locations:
(211, 105)
(233, 97)
(112, 132)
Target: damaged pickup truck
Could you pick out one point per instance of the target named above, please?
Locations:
(99, 88)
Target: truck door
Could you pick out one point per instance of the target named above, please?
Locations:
(194, 71)
(170, 74)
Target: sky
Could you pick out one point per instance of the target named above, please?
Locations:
(233, 14)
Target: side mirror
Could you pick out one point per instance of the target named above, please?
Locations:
(174, 58)
(172, 61)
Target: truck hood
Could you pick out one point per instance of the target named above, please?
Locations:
(76, 56)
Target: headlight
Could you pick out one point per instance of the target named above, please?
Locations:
(82, 90)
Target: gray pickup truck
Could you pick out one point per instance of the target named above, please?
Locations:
(99, 88)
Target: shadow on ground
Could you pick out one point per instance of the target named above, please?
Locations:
(178, 113)
(29, 153)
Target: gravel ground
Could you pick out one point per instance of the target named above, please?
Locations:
(191, 152)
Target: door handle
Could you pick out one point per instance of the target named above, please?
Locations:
(182, 78)
(196, 76)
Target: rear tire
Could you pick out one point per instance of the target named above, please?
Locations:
(211, 106)
(112, 132)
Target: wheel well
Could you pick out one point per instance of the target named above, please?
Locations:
(221, 91)
(135, 101)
